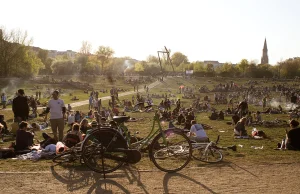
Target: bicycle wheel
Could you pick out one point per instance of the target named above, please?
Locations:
(172, 156)
(212, 155)
(99, 150)
(67, 156)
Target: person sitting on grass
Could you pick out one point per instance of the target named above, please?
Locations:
(213, 116)
(258, 117)
(197, 132)
(84, 126)
(4, 129)
(73, 137)
(239, 129)
(292, 137)
(180, 119)
(2, 135)
(24, 138)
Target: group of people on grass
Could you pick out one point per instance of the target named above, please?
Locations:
(79, 125)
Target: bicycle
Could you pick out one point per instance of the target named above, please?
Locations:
(207, 152)
(105, 149)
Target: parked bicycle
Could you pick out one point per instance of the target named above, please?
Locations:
(207, 152)
(105, 149)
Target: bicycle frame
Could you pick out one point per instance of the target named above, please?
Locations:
(147, 140)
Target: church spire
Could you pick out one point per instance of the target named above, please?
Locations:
(265, 58)
(265, 45)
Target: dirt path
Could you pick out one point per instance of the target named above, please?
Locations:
(226, 178)
(76, 104)
(84, 102)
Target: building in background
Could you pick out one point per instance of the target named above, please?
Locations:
(265, 58)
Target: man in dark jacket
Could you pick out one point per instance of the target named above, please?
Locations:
(20, 107)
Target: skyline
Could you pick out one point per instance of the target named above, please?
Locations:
(220, 30)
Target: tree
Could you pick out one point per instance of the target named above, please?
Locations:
(86, 48)
(291, 67)
(104, 54)
(152, 59)
(13, 50)
(198, 66)
(139, 67)
(43, 56)
(179, 58)
(243, 65)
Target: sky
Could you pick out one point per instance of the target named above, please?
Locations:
(221, 30)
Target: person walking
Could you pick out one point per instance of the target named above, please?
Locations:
(57, 110)
(20, 107)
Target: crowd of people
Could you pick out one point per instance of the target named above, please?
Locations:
(170, 109)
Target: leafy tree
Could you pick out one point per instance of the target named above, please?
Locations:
(64, 67)
(198, 66)
(139, 67)
(179, 58)
(43, 56)
(13, 50)
(152, 59)
(243, 65)
(104, 54)
(291, 67)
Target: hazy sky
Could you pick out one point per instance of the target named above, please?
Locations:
(223, 30)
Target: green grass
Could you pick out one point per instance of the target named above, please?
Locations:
(244, 154)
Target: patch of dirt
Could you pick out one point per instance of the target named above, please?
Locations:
(226, 178)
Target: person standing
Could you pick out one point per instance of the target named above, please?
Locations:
(20, 107)
(91, 102)
(3, 100)
(57, 109)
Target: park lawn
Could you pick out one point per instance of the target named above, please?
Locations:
(245, 154)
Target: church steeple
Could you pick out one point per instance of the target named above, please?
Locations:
(265, 58)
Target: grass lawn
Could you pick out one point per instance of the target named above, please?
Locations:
(245, 153)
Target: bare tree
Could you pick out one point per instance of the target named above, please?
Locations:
(86, 48)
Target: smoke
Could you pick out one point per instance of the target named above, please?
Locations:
(274, 103)
(11, 88)
(285, 105)
(127, 64)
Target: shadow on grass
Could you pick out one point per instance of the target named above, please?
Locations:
(77, 178)
(169, 176)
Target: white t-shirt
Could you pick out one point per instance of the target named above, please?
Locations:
(198, 130)
(56, 108)
(71, 119)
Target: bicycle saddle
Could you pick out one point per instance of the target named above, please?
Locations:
(120, 119)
